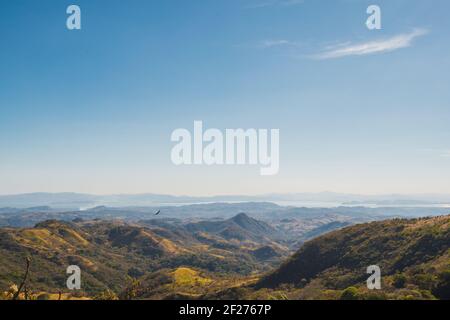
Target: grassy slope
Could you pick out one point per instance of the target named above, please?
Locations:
(107, 253)
(413, 255)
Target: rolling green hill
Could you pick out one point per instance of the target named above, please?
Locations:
(166, 260)
(414, 257)
(241, 228)
(110, 252)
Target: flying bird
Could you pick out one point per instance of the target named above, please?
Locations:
(157, 212)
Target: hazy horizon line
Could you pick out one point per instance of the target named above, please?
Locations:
(228, 195)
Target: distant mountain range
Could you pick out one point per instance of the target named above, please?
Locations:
(325, 199)
(297, 221)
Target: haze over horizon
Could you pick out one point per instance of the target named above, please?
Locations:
(325, 192)
(84, 201)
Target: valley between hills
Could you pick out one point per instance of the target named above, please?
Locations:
(269, 253)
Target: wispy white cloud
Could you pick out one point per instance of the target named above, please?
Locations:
(372, 47)
(271, 3)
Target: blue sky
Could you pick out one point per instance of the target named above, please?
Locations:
(92, 110)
